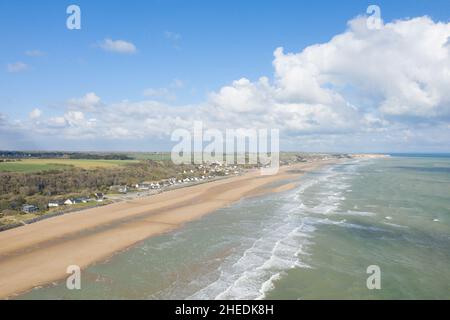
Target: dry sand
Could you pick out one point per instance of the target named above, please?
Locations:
(39, 253)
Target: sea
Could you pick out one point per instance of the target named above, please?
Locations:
(319, 240)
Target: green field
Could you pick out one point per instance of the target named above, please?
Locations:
(36, 165)
(156, 156)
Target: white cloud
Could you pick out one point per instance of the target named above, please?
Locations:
(363, 89)
(16, 67)
(177, 84)
(34, 53)
(159, 93)
(360, 81)
(3, 119)
(118, 46)
(243, 96)
(74, 117)
(117, 133)
(57, 122)
(89, 102)
(404, 68)
(168, 93)
(35, 114)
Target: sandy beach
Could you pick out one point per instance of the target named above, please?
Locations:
(39, 253)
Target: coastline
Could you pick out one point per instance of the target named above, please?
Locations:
(39, 253)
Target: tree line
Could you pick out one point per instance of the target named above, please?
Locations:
(38, 188)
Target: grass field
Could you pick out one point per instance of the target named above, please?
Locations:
(36, 165)
(157, 156)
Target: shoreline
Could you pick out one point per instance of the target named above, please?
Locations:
(39, 253)
(113, 199)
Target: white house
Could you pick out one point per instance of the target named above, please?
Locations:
(144, 186)
(99, 195)
(53, 204)
(123, 189)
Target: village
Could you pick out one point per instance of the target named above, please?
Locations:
(202, 173)
(171, 177)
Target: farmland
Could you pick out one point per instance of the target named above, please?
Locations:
(36, 181)
(37, 165)
(155, 156)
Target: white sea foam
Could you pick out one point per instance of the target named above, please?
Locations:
(253, 274)
(358, 213)
(345, 224)
(285, 240)
(268, 286)
(396, 225)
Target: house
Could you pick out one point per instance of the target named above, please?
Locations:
(143, 186)
(120, 189)
(55, 203)
(99, 196)
(123, 189)
(76, 200)
(82, 200)
(28, 208)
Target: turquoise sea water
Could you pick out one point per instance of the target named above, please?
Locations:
(313, 242)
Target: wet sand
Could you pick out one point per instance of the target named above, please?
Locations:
(39, 253)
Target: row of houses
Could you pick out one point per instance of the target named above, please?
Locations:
(203, 172)
(169, 182)
(97, 197)
(29, 208)
(158, 185)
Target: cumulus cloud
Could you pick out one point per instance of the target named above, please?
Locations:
(16, 67)
(71, 125)
(404, 68)
(118, 46)
(3, 120)
(168, 93)
(361, 80)
(363, 88)
(74, 118)
(35, 114)
(56, 122)
(89, 102)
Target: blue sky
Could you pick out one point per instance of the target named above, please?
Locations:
(185, 50)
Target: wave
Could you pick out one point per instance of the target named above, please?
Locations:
(280, 248)
(253, 274)
(284, 242)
